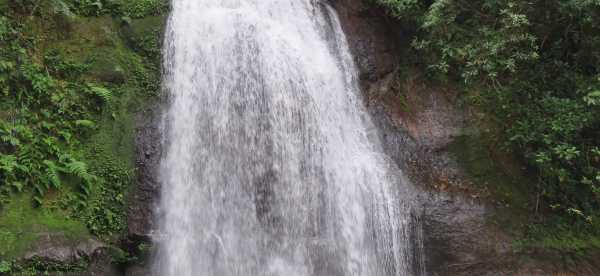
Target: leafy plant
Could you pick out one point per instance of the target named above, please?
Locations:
(5, 267)
(537, 66)
(38, 142)
(142, 8)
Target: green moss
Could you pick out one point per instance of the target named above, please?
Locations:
(145, 36)
(560, 238)
(513, 193)
(497, 176)
(480, 163)
(144, 8)
(21, 224)
(133, 80)
(124, 60)
(110, 151)
(3, 5)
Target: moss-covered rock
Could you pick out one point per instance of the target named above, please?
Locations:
(143, 8)
(124, 60)
(145, 35)
(22, 226)
(3, 5)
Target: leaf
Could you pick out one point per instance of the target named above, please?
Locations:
(18, 186)
(126, 20)
(8, 163)
(52, 173)
(60, 7)
(593, 98)
(103, 93)
(12, 140)
(40, 190)
(85, 123)
(5, 267)
(79, 169)
(38, 200)
(98, 5)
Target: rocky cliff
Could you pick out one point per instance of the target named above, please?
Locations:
(469, 228)
(432, 136)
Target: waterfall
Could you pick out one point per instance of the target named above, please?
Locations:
(271, 165)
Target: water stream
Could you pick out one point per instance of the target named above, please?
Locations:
(271, 164)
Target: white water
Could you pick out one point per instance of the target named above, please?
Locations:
(271, 164)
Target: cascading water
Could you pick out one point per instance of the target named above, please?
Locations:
(271, 165)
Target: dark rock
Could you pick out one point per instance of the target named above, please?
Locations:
(57, 248)
(138, 270)
(59, 251)
(146, 35)
(140, 220)
(107, 69)
(418, 122)
(375, 42)
(101, 264)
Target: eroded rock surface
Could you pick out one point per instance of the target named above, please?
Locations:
(418, 124)
(144, 195)
(57, 248)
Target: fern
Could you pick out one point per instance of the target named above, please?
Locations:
(102, 93)
(17, 185)
(52, 174)
(10, 139)
(39, 189)
(85, 123)
(7, 163)
(25, 158)
(80, 170)
(38, 200)
(60, 7)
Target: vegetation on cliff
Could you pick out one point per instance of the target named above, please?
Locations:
(73, 74)
(534, 67)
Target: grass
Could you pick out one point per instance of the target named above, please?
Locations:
(21, 224)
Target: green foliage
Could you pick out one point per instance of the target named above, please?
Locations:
(67, 119)
(5, 267)
(101, 92)
(91, 7)
(21, 223)
(104, 215)
(69, 8)
(575, 239)
(40, 266)
(537, 65)
(126, 9)
(143, 8)
(121, 257)
(46, 119)
(63, 68)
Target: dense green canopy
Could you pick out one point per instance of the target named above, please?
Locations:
(536, 65)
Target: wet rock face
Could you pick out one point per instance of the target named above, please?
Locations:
(415, 135)
(374, 40)
(144, 195)
(417, 122)
(58, 249)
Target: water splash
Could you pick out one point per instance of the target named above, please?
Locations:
(271, 165)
